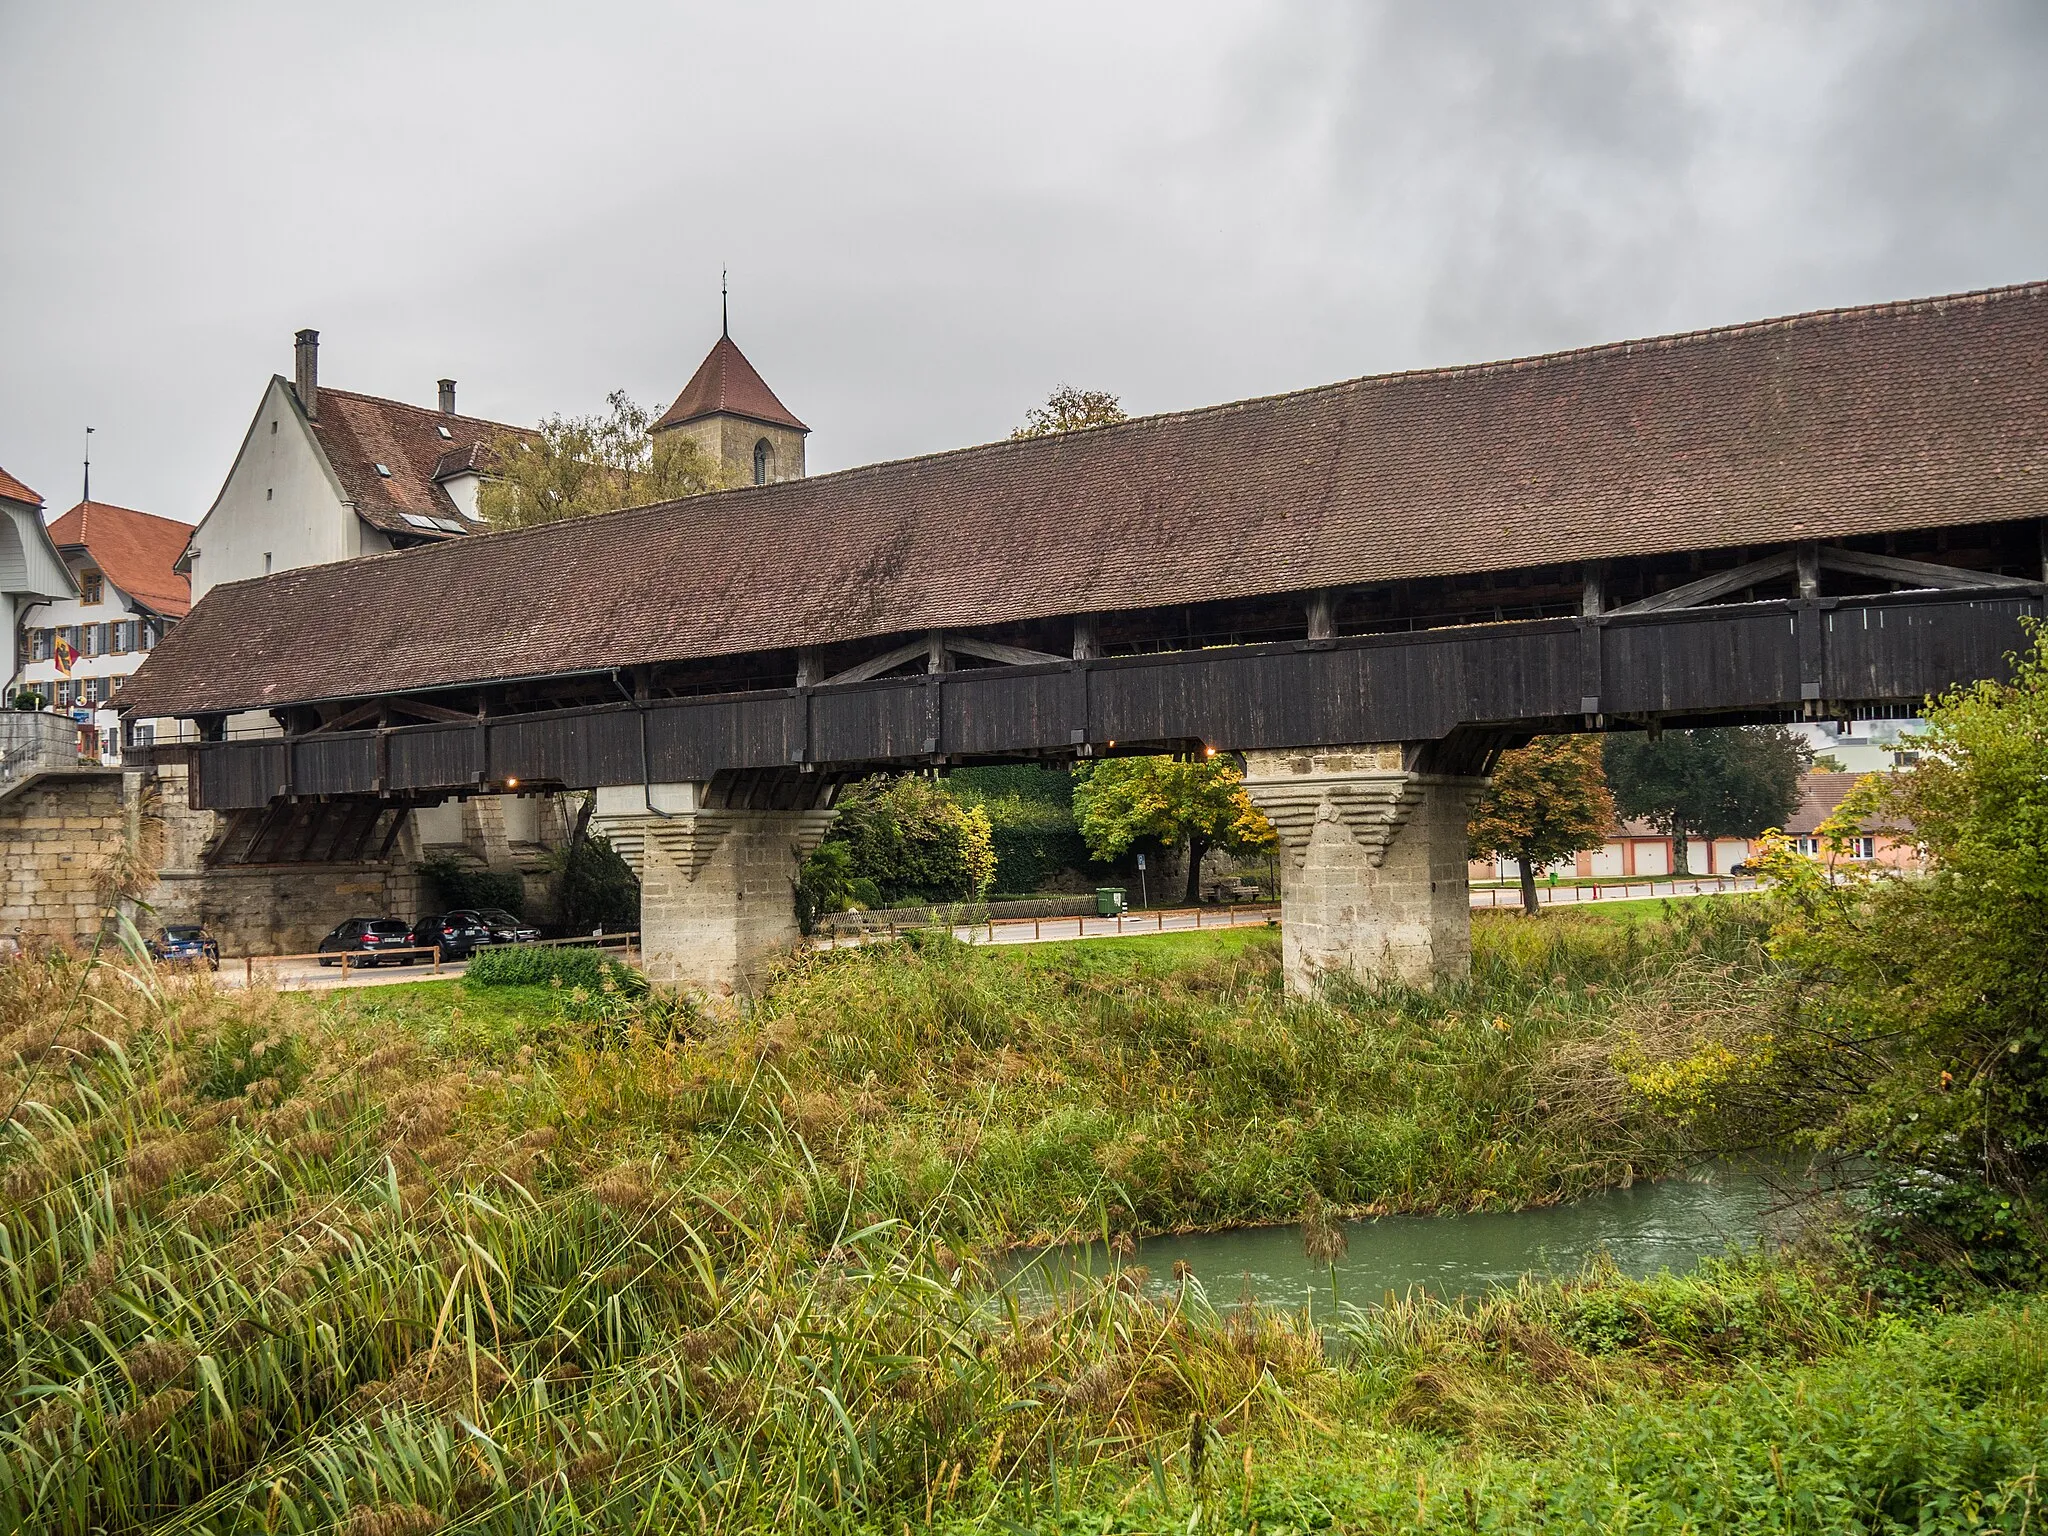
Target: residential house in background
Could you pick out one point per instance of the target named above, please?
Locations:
(31, 572)
(1819, 794)
(324, 474)
(81, 646)
(1635, 848)
(1863, 746)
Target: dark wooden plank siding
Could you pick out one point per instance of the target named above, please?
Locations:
(435, 756)
(694, 740)
(1748, 658)
(875, 720)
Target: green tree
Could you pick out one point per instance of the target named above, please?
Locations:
(579, 465)
(1545, 803)
(1200, 802)
(1709, 783)
(1068, 409)
(914, 841)
(1915, 1026)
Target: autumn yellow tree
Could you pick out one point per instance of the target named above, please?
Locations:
(1545, 803)
(1068, 409)
(574, 466)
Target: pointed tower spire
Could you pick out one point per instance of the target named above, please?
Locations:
(729, 411)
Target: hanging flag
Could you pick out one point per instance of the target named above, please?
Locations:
(66, 654)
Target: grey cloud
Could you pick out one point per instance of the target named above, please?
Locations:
(936, 213)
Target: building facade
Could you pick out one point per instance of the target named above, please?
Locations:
(32, 572)
(128, 593)
(326, 474)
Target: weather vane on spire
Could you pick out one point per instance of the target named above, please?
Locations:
(88, 466)
(724, 313)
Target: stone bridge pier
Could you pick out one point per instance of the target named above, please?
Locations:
(1373, 863)
(718, 864)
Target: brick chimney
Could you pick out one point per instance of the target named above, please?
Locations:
(306, 355)
(447, 397)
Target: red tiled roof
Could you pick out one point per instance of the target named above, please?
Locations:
(136, 550)
(1819, 794)
(725, 383)
(1892, 417)
(11, 487)
(360, 432)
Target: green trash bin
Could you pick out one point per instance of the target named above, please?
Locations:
(1109, 901)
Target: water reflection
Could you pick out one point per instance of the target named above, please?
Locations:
(1668, 1225)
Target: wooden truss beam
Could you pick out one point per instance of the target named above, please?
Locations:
(1912, 575)
(958, 645)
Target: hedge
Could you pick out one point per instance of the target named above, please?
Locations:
(542, 965)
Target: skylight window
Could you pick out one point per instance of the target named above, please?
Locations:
(384, 470)
(416, 520)
(446, 435)
(448, 524)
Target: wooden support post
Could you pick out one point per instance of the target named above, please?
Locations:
(1086, 645)
(1593, 595)
(1809, 571)
(248, 970)
(1322, 616)
(437, 959)
(344, 965)
(810, 666)
(936, 657)
(1162, 919)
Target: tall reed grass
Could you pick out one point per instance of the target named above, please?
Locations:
(273, 1264)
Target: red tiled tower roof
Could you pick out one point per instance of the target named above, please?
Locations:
(725, 384)
(137, 550)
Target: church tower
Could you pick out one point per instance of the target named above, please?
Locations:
(729, 411)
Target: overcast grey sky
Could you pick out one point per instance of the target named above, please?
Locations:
(935, 213)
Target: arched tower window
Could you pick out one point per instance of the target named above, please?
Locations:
(763, 458)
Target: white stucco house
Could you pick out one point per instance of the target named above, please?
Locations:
(82, 647)
(325, 474)
(31, 572)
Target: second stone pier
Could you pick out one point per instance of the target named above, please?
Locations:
(717, 876)
(1373, 863)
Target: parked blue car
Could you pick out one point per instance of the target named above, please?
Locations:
(186, 944)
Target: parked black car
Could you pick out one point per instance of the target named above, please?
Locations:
(187, 944)
(366, 936)
(505, 928)
(458, 934)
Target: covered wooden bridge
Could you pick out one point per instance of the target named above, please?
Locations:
(1368, 589)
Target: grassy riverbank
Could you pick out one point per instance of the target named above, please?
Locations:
(474, 1258)
(1145, 1085)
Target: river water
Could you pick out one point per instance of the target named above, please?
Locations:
(1671, 1224)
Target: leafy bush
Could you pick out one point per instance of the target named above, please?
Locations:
(1914, 1030)
(456, 885)
(915, 841)
(543, 965)
(598, 888)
